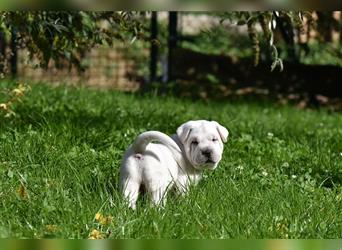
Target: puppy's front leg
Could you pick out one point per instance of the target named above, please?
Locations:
(182, 184)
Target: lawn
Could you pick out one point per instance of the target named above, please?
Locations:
(280, 176)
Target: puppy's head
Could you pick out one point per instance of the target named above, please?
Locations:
(203, 142)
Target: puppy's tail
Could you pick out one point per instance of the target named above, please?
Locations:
(141, 142)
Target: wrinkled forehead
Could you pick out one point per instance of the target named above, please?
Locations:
(204, 131)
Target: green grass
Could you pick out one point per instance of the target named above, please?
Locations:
(280, 176)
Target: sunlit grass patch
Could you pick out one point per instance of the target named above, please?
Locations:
(280, 176)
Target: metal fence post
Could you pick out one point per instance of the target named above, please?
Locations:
(2, 52)
(14, 55)
(154, 46)
(172, 43)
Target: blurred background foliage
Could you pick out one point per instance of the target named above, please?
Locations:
(220, 48)
(69, 34)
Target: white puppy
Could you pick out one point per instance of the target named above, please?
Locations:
(176, 161)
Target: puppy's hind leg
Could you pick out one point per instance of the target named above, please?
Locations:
(158, 195)
(131, 192)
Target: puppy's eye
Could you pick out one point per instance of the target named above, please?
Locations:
(214, 139)
(194, 142)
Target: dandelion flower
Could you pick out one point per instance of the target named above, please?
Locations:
(95, 234)
(106, 220)
(51, 228)
(98, 216)
(103, 220)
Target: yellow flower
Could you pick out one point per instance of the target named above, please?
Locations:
(106, 220)
(51, 228)
(103, 220)
(95, 234)
(98, 216)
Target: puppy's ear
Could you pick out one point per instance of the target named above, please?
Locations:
(223, 132)
(184, 130)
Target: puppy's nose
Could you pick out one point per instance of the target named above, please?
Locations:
(206, 153)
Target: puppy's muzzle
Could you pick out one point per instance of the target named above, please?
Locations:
(207, 153)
